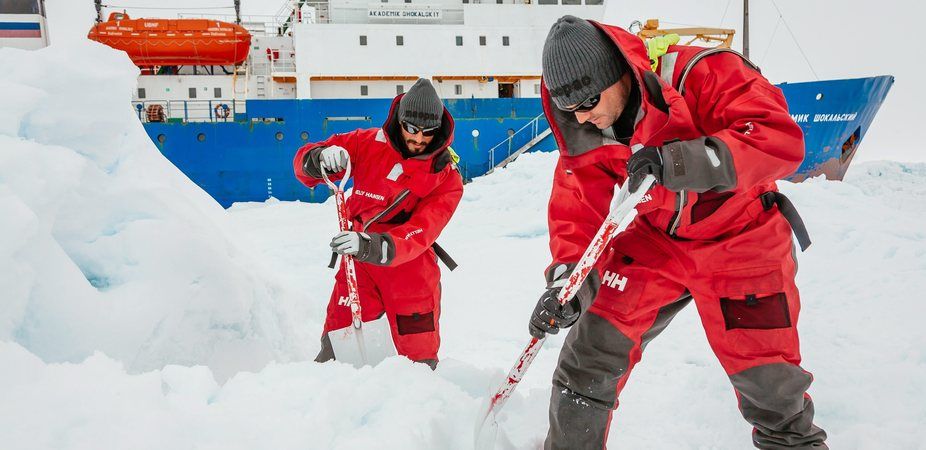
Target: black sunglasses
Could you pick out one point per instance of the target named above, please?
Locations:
(412, 129)
(586, 106)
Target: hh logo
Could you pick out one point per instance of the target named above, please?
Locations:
(614, 280)
(343, 300)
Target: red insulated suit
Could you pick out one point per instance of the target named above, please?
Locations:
(729, 251)
(410, 199)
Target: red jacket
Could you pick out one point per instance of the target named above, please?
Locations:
(425, 190)
(724, 99)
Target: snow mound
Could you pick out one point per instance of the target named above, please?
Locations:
(105, 245)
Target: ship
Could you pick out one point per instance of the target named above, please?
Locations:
(332, 66)
(23, 24)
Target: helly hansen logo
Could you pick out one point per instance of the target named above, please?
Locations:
(646, 197)
(343, 300)
(567, 88)
(363, 193)
(614, 280)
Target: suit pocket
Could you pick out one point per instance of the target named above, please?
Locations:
(753, 298)
(415, 323)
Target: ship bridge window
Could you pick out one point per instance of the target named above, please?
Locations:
(505, 41)
(594, 2)
(547, 2)
(400, 40)
(482, 40)
(399, 89)
(363, 40)
(459, 41)
(217, 92)
(572, 2)
(458, 89)
(408, 1)
(22, 7)
(141, 93)
(364, 90)
(192, 92)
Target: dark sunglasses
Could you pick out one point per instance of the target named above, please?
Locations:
(586, 106)
(412, 129)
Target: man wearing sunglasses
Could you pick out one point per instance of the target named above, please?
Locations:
(406, 188)
(714, 230)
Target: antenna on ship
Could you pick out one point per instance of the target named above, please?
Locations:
(237, 12)
(746, 28)
(99, 10)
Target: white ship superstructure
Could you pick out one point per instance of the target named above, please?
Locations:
(350, 49)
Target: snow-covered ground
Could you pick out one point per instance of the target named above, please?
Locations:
(136, 313)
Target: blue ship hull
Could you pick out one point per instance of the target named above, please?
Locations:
(250, 158)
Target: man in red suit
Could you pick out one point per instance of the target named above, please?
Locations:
(406, 188)
(714, 229)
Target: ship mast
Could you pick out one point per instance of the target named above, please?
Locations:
(746, 28)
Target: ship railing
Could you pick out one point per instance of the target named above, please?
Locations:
(518, 142)
(216, 110)
(259, 65)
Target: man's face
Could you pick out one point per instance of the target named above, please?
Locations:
(609, 108)
(417, 142)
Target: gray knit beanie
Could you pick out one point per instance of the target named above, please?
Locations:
(421, 106)
(579, 61)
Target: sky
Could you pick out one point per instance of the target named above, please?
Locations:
(791, 40)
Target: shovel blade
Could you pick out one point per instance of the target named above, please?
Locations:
(485, 434)
(365, 346)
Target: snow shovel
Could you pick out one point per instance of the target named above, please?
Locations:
(623, 211)
(360, 343)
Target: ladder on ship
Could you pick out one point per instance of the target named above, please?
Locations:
(508, 150)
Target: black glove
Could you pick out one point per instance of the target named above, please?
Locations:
(549, 316)
(646, 161)
(698, 165)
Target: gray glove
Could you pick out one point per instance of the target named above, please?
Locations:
(373, 248)
(698, 165)
(333, 159)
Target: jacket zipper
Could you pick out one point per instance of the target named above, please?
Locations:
(677, 218)
(388, 209)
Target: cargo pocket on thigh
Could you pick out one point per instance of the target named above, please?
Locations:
(753, 298)
(415, 323)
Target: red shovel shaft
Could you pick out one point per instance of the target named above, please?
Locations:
(347, 261)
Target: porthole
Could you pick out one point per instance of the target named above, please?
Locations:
(510, 132)
(161, 138)
(279, 135)
(200, 137)
(820, 96)
(304, 135)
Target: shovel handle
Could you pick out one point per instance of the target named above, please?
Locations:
(617, 220)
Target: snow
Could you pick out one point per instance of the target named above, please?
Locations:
(136, 313)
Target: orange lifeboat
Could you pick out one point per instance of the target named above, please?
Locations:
(174, 42)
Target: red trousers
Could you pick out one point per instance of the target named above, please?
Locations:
(409, 295)
(742, 284)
